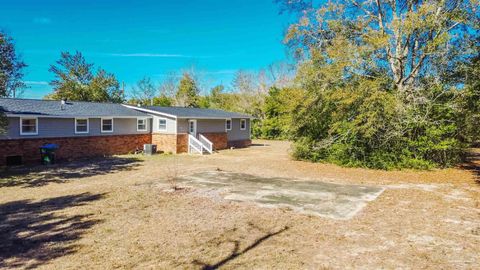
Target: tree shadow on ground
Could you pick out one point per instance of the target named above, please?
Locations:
(33, 233)
(472, 164)
(236, 252)
(35, 176)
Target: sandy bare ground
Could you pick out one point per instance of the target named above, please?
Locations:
(121, 213)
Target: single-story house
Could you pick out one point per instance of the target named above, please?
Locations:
(83, 129)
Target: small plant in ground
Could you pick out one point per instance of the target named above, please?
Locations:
(172, 174)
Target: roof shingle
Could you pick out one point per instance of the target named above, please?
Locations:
(182, 112)
(52, 108)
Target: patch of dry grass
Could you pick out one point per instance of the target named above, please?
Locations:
(423, 219)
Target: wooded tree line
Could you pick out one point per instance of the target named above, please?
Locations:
(388, 84)
(379, 83)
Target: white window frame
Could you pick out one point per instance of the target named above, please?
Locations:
(144, 122)
(88, 126)
(226, 126)
(243, 120)
(101, 125)
(158, 122)
(28, 133)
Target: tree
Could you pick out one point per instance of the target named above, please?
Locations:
(144, 91)
(373, 74)
(250, 93)
(163, 101)
(11, 68)
(279, 108)
(3, 122)
(470, 103)
(405, 39)
(75, 80)
(188, 93)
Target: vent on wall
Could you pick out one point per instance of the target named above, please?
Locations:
(14, 160)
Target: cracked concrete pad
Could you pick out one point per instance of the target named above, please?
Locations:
(337, 201)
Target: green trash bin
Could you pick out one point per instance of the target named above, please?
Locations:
(47, 153)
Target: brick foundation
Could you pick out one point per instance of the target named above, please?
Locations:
(240, 143)
(219, 140)
(182, 143)
(73, 147)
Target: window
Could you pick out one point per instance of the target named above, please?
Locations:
(162, 124)
(28, 126)
(243, 124)
(107, 125)
(228, 124)
(141, 124)
(81, 125)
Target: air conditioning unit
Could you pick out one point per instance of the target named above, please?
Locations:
(149, 149)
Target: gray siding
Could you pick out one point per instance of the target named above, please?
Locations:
(217, 125)
(65, 127)
(171, 125)
(210, 125)
(203, 125)
(236, 134)
(182, 126)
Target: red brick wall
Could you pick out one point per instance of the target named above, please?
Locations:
(240, 144)
(219, 140)
(182, 143)
(73, 147)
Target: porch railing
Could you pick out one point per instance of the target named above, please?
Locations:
(207, 144)
(194, 145)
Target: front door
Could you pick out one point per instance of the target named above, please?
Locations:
(192, 128)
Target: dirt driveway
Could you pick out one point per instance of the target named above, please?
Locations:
(121, 213)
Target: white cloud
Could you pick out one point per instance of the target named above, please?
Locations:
(36, 82)
(225, 71)
(42, 20)
(147, 55)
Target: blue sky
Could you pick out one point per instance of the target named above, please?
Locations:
(150, 38)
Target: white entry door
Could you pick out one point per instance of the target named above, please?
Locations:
(192, 128)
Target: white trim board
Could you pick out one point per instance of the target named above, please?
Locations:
(149, 111)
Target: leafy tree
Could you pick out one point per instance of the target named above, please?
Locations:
(404, 39)
(279, 107)
(373, 72)
(218, 99)
(470, 103)
(75, 80)
(3, 122)
(11, 68)
(162, 100)
(188, 93)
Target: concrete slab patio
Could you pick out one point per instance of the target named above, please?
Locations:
(337, 201)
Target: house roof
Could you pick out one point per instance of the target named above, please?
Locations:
(182, 112)
(53, 108)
